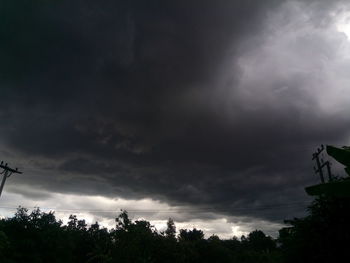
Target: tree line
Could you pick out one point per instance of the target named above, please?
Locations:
(322, 236)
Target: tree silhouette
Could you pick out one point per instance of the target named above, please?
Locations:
(40, 237)
(191, 235)
(322, 236)
(170, 232)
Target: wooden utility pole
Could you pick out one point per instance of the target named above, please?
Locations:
(320, 164)
(6, 171)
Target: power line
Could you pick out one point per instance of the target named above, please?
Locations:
(171, 210)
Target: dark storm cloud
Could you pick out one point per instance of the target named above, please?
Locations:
(126, 99)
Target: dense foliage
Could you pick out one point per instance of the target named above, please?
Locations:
(322, 236)
(40, 237)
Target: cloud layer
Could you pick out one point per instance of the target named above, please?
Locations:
(199, 103)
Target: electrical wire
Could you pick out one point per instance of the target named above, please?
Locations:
(173, 210)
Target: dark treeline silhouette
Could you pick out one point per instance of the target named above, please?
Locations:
(40, 237)
(322, 236)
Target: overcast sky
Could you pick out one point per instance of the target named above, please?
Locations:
(204, 111)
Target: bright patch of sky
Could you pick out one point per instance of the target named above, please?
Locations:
(343, 24)
(104, 210)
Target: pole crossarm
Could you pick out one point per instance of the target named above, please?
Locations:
(5, 167)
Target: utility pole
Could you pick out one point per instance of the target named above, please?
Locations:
(7, 171)
(320, 164)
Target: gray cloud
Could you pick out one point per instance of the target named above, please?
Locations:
(200, 103)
